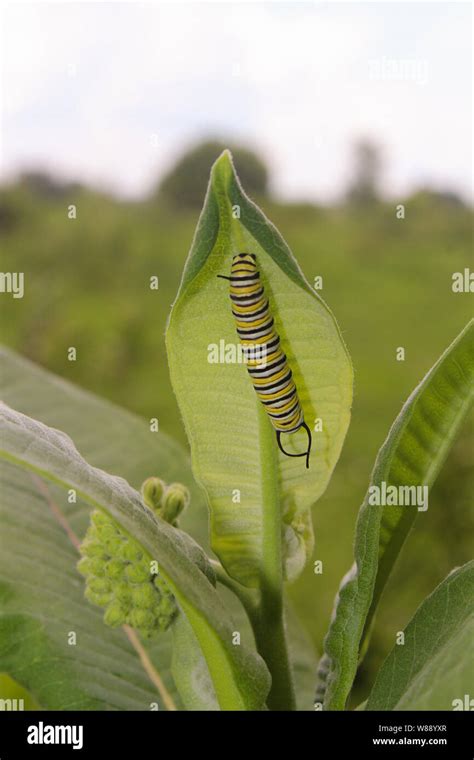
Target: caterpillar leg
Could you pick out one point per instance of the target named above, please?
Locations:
(305, 453)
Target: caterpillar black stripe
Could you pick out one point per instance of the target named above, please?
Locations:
(267, 365)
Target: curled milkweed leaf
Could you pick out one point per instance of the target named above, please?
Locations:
(234, 448)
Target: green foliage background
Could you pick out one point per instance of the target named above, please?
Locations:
(388, 282)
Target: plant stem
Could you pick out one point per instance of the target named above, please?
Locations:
(265, 614)
(268, 620)
(270, 637)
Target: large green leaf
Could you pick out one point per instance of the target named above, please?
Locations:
(412, 454)
(45, 594)
(434, 668)
(117, 441)
(232, 443)
(239, 676)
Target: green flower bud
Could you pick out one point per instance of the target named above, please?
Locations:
(168, 603)
(91, 566)
(144, 596)
(165, 611)
(152, 492)
(100, 599)
(140, 618)
(99, 518)
(115, 614)
(159, 584)
(106, 531)
(93, 548)
(138, 573)
(162, 587)
(123, 592)
(167, 608)
(176, 499)
(115, 569)
(131, 552)
(164, 621)
(99, 585)
(113, 545)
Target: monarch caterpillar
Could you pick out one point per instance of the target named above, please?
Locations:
(267, 366)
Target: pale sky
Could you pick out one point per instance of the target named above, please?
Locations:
(110, 94)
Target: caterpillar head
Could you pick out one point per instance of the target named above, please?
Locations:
(248, 258)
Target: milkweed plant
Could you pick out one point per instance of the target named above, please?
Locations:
(152, 583)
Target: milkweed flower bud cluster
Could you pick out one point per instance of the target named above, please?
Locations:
(167, 502)
(119, 578)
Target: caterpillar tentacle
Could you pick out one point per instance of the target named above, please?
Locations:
(305, 453)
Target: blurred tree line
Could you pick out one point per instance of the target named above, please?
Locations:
(185, 185)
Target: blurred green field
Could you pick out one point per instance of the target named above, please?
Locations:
(388, 282)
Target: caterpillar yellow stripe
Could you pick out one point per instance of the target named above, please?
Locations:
(267, 364)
